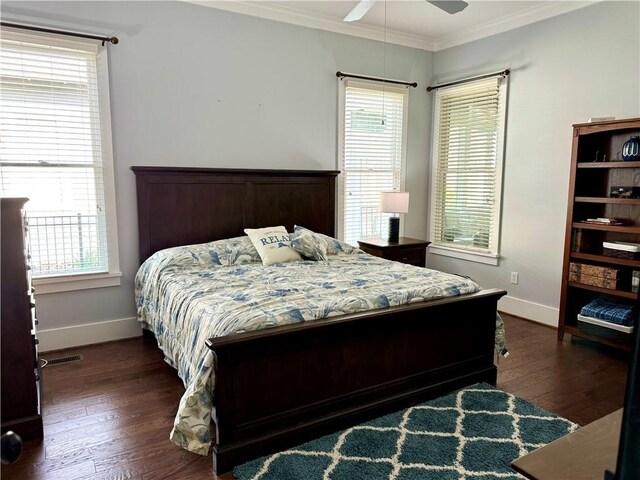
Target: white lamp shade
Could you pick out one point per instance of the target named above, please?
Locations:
(394, 202)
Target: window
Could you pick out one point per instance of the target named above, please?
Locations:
(372, 139)
(467, 170)
(55, 149)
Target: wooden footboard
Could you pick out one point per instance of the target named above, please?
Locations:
(279, 387)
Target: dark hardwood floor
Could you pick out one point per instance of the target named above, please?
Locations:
(109, 415)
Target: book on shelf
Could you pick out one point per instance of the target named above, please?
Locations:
(624, 246)
(580, 242)
(603, 221)
(627, 250)
(576, 236)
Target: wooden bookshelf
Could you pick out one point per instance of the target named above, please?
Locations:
(589, 197)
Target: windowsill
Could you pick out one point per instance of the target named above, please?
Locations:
(486, 258)
(69, 283)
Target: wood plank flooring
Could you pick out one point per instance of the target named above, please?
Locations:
(109, 415)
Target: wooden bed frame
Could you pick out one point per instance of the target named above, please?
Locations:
(279, 387)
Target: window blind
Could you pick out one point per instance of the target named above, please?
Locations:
(468, 139)
(372, 156)
(51, 150)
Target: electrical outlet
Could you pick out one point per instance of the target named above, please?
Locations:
(514, 277)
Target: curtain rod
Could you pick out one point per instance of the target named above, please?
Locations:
(113, 40)
(383, 80)
(503, 73)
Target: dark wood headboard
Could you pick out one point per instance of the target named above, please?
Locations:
(183, 206)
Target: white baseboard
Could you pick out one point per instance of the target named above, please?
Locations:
(87, 334)
(67, 337)
(535, 312)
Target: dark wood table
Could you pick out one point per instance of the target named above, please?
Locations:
(582, 455)
(406, 250)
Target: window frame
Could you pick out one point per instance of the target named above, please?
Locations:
(493, 256)
(90, 280)
(380, 87)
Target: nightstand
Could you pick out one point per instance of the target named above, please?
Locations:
(405, 250)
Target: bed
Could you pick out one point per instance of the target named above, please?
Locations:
(279, 386)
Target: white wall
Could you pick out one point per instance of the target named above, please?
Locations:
(193, 86)
(564, 70)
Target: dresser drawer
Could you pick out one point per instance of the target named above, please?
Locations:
(412, 256)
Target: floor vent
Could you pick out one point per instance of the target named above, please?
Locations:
(61, 360)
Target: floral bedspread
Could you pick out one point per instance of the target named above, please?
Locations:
(186, 295)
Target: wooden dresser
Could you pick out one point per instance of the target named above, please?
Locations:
(20, 364)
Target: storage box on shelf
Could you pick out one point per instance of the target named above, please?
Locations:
(610, 283)
(602, 213)
(605, 327)
(621, 250)
(606, 319)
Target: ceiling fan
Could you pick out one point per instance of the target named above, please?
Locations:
(359, 11)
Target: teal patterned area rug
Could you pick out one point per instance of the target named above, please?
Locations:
(474, 433)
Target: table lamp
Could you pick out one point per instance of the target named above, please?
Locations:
(394, 202)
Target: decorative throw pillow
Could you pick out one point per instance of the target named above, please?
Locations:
(309, 244)
(335, 246)
(273, 245)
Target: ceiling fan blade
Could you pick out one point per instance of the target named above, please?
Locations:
(450, 7)
(359, 10)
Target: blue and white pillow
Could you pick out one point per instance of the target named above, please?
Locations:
(309, 244)
(336, 247)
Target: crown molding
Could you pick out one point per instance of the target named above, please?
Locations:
(510, 22)
(294, 16)
(279, 13)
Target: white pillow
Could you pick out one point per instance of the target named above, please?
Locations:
(273, 245)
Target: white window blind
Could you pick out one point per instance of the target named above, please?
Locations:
(51, 150)
(372, 155)
(467, 166)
